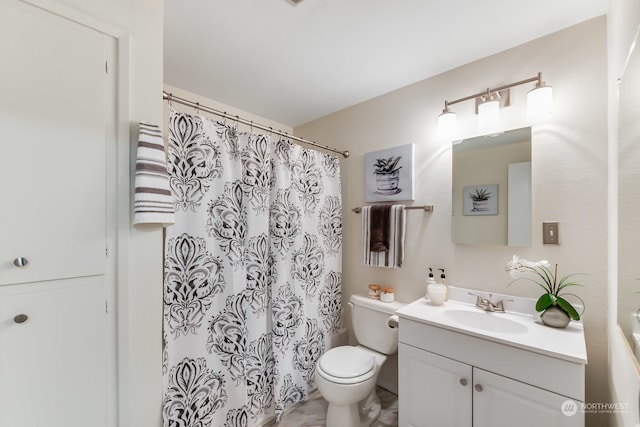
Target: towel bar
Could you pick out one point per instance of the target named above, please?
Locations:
(426, 208)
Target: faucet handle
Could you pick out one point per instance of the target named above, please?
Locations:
(480, 302)
(500, 304)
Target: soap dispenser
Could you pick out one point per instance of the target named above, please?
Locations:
(443, 280)
(430, 280)
(437, 291)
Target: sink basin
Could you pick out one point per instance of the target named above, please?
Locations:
(518, 328)
(495, 322)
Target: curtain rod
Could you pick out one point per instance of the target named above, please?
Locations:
(172, 98)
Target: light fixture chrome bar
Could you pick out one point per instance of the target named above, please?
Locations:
(489, 91)
(172, 98)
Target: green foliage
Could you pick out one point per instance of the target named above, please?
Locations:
(555, 290)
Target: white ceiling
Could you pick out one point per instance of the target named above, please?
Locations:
(294, 64)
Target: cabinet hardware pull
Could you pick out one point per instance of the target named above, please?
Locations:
(478, 387)
(20, 261)
(463, 381)
(21, 318)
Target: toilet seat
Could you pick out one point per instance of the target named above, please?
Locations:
(347, 365)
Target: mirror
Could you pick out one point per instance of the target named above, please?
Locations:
(629, 197)
(492, 189)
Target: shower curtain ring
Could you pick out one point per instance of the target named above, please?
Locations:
(224, 119)
(197, 108)
(251, 128)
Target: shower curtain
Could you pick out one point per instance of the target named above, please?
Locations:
(252, 273)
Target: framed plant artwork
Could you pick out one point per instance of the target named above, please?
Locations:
(480, 199)
(389, 174)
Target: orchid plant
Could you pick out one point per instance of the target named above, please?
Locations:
(554, 287)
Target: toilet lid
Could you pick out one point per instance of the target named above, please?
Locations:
(346, 362)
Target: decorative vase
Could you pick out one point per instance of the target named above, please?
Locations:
(555, 317)
(388, 183)
(480, 205)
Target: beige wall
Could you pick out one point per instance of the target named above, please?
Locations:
(569, 155)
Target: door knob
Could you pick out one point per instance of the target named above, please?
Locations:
(20, 261)
(478, 387)
(21, 318)
(463, 381)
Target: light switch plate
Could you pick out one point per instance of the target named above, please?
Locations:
(550, 233)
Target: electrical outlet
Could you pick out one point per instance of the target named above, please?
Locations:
(550, 233)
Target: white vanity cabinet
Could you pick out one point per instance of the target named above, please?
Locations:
(448, 377)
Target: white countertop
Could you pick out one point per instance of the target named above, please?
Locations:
(521, 329)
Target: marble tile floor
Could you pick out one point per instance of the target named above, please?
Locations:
(312, 412)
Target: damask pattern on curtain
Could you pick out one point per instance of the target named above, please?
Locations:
(252, 282)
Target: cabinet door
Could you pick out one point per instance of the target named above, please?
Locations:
(502, 402)
(53, 362)
(52, 136)
(433, 390)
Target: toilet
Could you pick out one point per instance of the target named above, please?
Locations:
(346, 375)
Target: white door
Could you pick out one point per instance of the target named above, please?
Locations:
(502, 402)
(432, 390)
(52, 354)
(56, 115)
(52, 145)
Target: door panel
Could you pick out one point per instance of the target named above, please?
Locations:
(53, 365)
(56, 106)
(52, 138)
(503, 402)
(433, 390)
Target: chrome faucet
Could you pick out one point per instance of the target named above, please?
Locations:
(486, 304)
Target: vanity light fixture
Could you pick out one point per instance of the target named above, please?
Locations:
(489, 113)
(539, 103)
(447, 124)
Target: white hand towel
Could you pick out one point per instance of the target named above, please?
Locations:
(153, 203)
(394, 257)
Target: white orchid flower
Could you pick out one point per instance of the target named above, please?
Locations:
(518, 265)
(541, 274)
(513, 267)
(544, 263)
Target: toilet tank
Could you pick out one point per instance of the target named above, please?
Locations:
(369, 321)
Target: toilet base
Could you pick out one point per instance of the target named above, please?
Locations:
(360, 414)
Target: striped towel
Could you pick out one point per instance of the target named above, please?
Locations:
(153, 203)
(393, 257)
